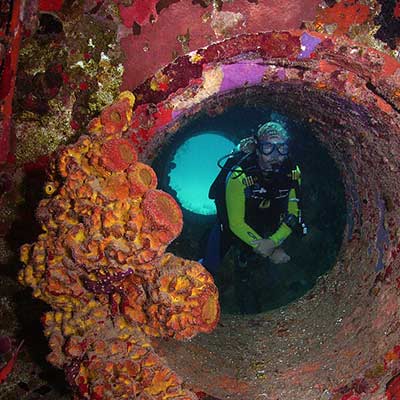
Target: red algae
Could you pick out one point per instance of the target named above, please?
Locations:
(139, 12)
(344, 14)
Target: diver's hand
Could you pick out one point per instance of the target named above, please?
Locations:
(264, 247)
(279, 256)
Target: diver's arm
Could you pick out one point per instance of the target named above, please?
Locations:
(235, 208)
(292, 215)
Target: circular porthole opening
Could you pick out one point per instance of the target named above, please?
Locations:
(194, 168)
(187, 166)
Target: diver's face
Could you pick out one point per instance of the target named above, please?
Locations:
(273, 150)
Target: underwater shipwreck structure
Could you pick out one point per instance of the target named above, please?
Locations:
(118, 298)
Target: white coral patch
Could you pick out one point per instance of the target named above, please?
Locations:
(212, 80)
(223, 22)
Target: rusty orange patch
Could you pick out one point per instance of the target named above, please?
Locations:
(344, 14)
(383, 105)
(326, 66)
(390, 66)
(231, 384)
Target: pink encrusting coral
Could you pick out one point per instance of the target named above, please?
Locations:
(101, 265)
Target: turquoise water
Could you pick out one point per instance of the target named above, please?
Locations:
(195, 169)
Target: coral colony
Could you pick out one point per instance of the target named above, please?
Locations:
(101, 265)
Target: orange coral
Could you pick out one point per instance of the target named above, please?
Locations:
(141, 178)
(100, 264)
(116, 117)
(95, 125)
(186, 299)
(163, 213)
(116, 187)
(118, 154)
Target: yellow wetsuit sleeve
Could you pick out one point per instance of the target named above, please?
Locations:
(235, 207)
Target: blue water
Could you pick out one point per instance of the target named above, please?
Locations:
(195, 169)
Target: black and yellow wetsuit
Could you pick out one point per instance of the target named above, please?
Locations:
(251, 206)
(257, 205)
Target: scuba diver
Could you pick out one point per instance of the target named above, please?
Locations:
(257, 199)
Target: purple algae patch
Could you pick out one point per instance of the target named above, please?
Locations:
(176, 114)
(281, 73)
(308, 44)
(241, 74)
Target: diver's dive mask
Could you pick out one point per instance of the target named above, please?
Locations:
(271, 152)
(268, 147)
(272, 145)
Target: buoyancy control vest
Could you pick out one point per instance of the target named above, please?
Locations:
(273, 188)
